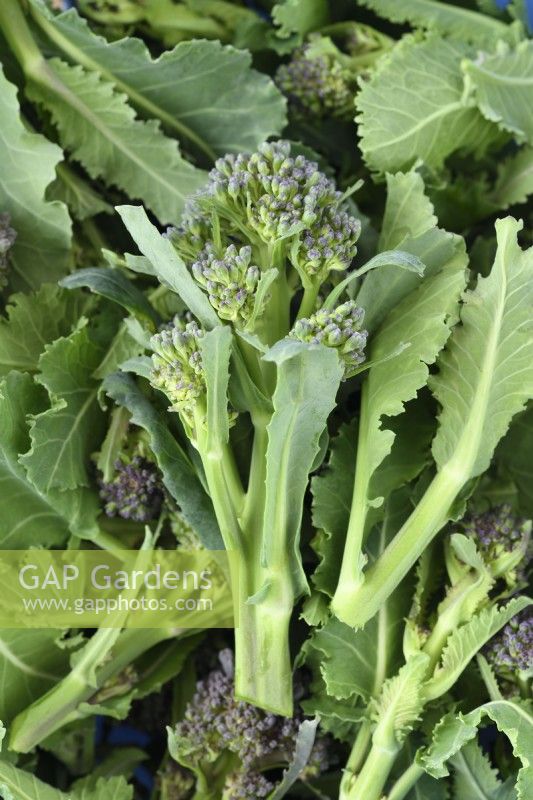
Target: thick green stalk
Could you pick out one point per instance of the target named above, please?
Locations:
(226, 493)
(359, 750)
(369, 783)
(405, 782)
(263, 669)
(16, 31)
(60, 705)
(351, 574)
(356, 603)
(262, 655)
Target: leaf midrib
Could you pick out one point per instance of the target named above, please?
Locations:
(65, 94)
(140, 100)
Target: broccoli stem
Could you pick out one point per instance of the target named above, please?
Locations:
(405, 782)
(351, 575)
(61, 704)
(359, 748)
(262, 657)
(263, 671)
(356, 602)
(16, 31)
(369, 783)
(308, 304)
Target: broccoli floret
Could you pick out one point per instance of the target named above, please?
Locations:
(511, 650)
(317, 84)
(268, 197)
(339, 328)
(177, 364)
(7, 239)
(135, 492)
(229, 279)
(502, 537)
(235, 741)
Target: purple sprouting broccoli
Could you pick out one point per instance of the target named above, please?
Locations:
(503, 540)
(272, 198)
(510, 652)
(135, 492)
(339, 328)
(230, 281)
(231, 745)
(177, 364)
(316, 83)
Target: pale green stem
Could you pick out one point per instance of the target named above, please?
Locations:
(60, 705)
(308, 304)
(405, 782)
(356, 603)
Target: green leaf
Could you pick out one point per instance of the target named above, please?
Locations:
(454, 731)
(41, 249)
(332, 498)
(514, 452)
(216, 348)
(122, 349)
(98, 127)
(102, 789)
(422, 320)
(389, 258)
(26, 517)
(34, 320)
(204, 93)
(444, 18)
(303, 746)
(474, 777)
(413, 431)
(299, 418)
(169, 267)
(402, 698)
(64, 436)
(408, 212)
(179, 475)
(409, 224)
(414, 107)
(113, 284)
(466, 641)
(486, 373)
(503, 85)
(515, 180)
(18, 784)
(30, 663)
(299, 16)
(485, 378)
(80, 197)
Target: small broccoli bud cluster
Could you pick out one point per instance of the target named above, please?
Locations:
(186, 537)
(230, 281)
(174, 783)
(215, 724)
(7, 239)
(511, 650)
(341, 329)
(502, 538)
(272, 196)
(136, 491)
(316, 84)
(177, 364)
(247, 786)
